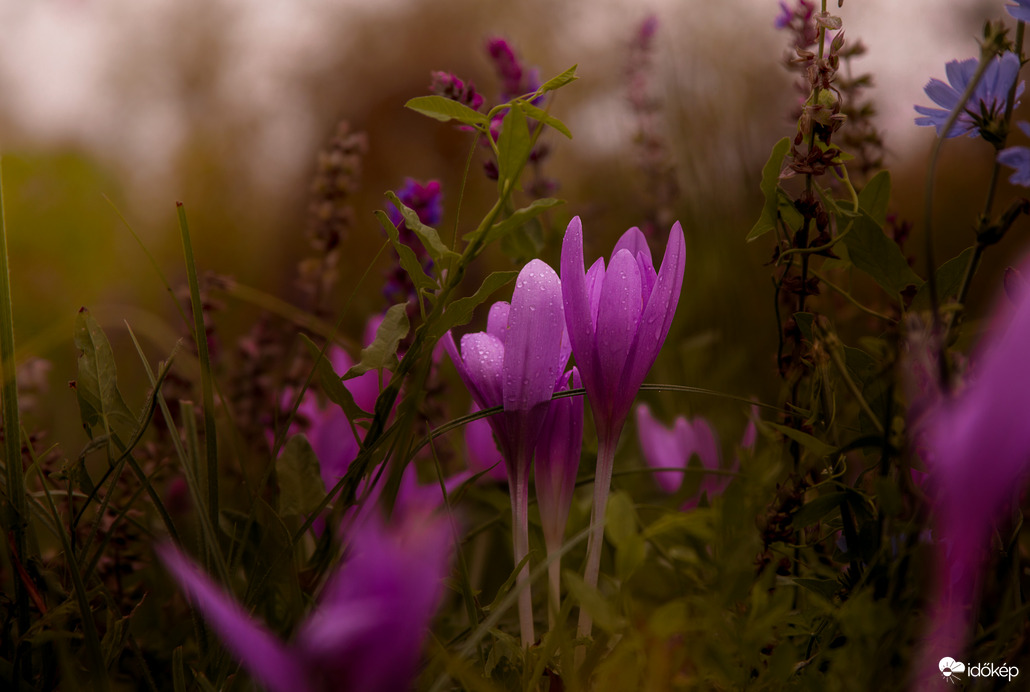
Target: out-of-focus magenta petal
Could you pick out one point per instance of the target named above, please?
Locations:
(483, 454)
(617, 322)
(661, 448)
(532, 349)
(558, 450)
(268, 660)
(483, 356)
(497, 320)
(334, 444)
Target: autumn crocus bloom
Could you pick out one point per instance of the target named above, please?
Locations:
(557, 461)
(365, 633)
(979, 444)
(618, 318)
(515, 363)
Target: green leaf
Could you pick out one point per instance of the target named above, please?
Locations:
(382, 352)
(514, 144)
(804, 322)
(460, 311)
(96, 384)
(873, 252)
(427, 234)
(812, 444)
(770, 182)
(332, 383)
(875, 196)
(949, 281)
(826, 588)
(546, 118)
(621, 524)
(817, 508)
(300, 482)
(566, 77)
(444, 110)
(409, 261)
(592, 601)
(516, 220)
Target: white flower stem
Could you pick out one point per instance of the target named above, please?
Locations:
(520, 542)
(602, 486)
(553, 580)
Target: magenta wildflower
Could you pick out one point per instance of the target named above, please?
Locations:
(516, 363)
(618, 318)
(449, 86)
(367, 629)
(980, 455)
(483, 454)
(557, 461)
(426, 200)
(986, 103)
(1021, 10)
(672, 448)
(516, 80)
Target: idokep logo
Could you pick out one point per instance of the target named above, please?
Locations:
(953, 670)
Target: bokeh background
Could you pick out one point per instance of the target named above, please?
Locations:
(115, 109)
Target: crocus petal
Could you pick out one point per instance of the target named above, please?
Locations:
(483, 356)
(558, 450)
(576, 297)
(658, 313)
(531, 351)
(266, 658)
(497, 320)
(483, 454)
(634, 241)
(660, 449)
(617, 321)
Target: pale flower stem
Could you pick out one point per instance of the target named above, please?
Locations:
(602, 486)
(520, 542)
(553, 581)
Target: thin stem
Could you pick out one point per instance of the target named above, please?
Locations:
(520, 543)
(602, 487)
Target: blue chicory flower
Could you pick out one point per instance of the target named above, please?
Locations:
(365, 633)
(1021, 10)
(1018, 158)
(986, 103)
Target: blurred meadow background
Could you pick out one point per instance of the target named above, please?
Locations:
(119, 109)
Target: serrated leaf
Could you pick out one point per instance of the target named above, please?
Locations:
(546, 118)
(300, 480)
(517, 219)
(875, 196)
(382, 352)
(331, 382)
(873, 252)
(812, 444)
(949, 281)
(444, 110)
(96, 385)
(409, 261)
(460, 311)
(770, 182)
(513, 144)
(566, 77)
(426, 234)
(817, 508)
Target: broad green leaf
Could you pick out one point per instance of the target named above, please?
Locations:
(514, 144)
(592, 601)
(300, 481)
(546, 118)
(817, 508)
(96, 385)
(382, 352)
(621, 524)
(873, 252)
(949, 281)
(331, 382)
(629, 556)
(409, 261)
(427, 234)
(516, 220)
(460, 311)
(770, 182)
(875, 196)
(812, 444)
(444, 109)
(826, 588)
(566, 77)
(523, 243)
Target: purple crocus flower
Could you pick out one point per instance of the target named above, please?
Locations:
(557, 460)
(516, 363)
(365, 633)
(483, 454)
(1018, 158)
(1021, 10)
(618, 318)
(664, 447)
(986, 103)
(980, 455)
